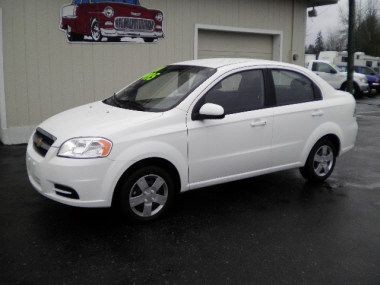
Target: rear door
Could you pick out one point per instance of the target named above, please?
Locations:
(299, 111)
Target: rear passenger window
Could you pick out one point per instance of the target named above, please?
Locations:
(292, 88)
(240, 92)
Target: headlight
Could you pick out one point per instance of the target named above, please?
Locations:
(159, 17)
(108, 12)
(85, 148)
(364, 80)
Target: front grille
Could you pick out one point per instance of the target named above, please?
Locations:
(42, 141)
(135, 24)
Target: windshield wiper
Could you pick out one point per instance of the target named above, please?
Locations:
(127, 104)
(116, 101)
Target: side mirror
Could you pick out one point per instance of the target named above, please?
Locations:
(211, 111)
(333, 71)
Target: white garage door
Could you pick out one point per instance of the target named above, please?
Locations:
(234, 44)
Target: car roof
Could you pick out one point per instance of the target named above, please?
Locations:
(232, 62)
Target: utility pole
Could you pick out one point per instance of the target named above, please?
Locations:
(350, 46)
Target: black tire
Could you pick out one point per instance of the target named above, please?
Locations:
(73, 37)
(96, 34)
(310, 170)
(357, 93)
(129, 189)
(149, 40)
(114, 39)
(371, 94)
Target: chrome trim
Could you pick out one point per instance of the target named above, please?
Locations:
(135, 24)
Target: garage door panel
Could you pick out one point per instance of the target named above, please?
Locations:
(234, 44)
(231, 54)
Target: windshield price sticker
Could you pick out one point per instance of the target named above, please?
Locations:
(152, 75)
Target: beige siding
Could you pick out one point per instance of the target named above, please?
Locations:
(44, 74)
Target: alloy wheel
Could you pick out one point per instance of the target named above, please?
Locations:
(95, 31)
(323, 160)
(148, 195)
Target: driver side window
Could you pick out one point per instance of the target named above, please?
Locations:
(239, 92)
(322, 67)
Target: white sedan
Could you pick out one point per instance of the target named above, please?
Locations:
(190, 125)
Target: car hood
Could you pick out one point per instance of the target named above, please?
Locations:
(95, 119)
(356, 75)
(372, 78)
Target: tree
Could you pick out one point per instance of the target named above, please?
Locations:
(335, 41)
(319, 43)
(366, 30)
(310, 49)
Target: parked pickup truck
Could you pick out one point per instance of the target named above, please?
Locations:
(372, 77)
(337, 78)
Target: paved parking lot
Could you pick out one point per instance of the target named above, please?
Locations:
(274, 228)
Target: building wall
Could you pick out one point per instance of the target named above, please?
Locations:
(44, 75)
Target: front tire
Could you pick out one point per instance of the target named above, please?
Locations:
(96, 34)
(320, 162)
(114, 39)
(357, 93)
(146, 194)
(149, 40)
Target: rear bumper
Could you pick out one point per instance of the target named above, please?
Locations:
(351, 132)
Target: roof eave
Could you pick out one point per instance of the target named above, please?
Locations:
(315, 3)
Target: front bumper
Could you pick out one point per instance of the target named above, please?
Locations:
(375, 86)
(86, 176)
(364, 88)
(128, 33)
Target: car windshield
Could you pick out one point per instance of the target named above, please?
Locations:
(368, 71)
(162, 89)
(133, 2)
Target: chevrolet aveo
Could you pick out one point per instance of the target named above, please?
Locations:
(190, 125)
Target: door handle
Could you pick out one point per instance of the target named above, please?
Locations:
(317, 113)
(260, 123)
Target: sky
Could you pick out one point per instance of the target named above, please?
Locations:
(329, 18)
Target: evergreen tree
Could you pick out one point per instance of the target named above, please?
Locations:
(319, 43)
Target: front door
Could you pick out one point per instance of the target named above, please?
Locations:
(241, 142)
(328, 73)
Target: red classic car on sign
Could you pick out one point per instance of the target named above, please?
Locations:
(112, 19)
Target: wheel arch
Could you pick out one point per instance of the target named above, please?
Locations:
(345, 83)
(156, 161)
(331, 131)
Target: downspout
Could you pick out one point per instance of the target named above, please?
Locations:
(292, 32)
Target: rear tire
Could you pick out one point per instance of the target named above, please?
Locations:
(357, 93)
(146, 194)
(73, 37)
(320, 162)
